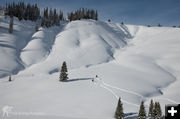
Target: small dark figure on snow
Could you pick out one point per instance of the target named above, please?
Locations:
(94, 78)
(10, 79)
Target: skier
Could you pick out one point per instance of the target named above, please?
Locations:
(94, 78)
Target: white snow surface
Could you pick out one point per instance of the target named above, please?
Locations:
(136, 63)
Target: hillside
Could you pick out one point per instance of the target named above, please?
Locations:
(136, 63)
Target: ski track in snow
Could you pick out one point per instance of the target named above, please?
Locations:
(124, 90)
(117, 97)
(106, 86)
(103, 85)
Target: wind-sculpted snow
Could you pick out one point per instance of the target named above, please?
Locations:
(84, 40)
(135, 63)
(12, 44)
(40, 46)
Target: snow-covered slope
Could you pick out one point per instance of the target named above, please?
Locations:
(12, 44)
(40, 46)
(135, 63)
(79, 42)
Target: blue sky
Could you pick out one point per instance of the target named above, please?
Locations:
(140, 12)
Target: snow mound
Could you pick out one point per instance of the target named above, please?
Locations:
(86, 43)
(39, 47)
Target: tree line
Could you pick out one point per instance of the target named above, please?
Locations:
(23, 11)
(83, 14)
(51, 18)
(155, 111)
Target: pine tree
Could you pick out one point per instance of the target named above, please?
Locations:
(83, 14)
(160, 111)
(96, 15)
(10, 79)
(11, 25)
(159, 25)
(61, 17)
(23, 11)
(157, 111)
(151, 110)
(142, 112)
(119, 110)
(51, 17)
(36, 28)
(63, 74)
(20, 17)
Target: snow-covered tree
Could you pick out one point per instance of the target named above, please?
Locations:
(63, 73)
(119, 110)
(142, 111)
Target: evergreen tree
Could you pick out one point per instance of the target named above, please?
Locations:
(96, 15)
(23, 11)
(142, 112)
(61, 17)
(119, 110)
(11, 24)
(83, 14)
(159, 25)
(151, 110)
(157, 111)
(63, 74)
(36, 28)
(20, 15)
(51, 17)
(10, 79)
